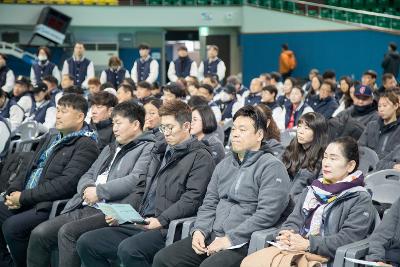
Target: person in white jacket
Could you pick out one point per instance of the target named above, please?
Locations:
(145, 68)
(292, 113)
(79, 67)
(183, 66)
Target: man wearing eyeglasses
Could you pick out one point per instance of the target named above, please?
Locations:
(178, 175)
(248, 192)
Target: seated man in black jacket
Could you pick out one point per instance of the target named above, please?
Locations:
(54, 175)
(325, 103)
(102, 106)
(178, 175)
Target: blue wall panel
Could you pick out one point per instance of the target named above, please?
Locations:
(346, 52)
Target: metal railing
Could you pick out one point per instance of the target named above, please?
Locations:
(12, 49)
(369, 19)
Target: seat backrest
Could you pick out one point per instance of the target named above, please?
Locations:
(28, 130)
(368, 160)
(382, 177)
(287, 136)
(384, 185)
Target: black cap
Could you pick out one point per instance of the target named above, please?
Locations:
(39, 87)
(23, 80)
(230, 89)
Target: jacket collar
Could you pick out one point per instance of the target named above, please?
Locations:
(102, 124)
(144, 137)
(251, 157)
(388, 127)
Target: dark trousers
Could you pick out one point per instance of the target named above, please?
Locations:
(133, 246)
(16, 229)
(181, 254)
(286, 75)
(62, 231)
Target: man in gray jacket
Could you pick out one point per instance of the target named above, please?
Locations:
(249, 191)
(119, 171)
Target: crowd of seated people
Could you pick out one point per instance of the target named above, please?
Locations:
(193, 147)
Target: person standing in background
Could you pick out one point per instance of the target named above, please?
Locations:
(287, 62)
(212, 65)
(43, 67)
(7, 78)
(145, 68)
(391, 60)
(115, 73)
(183, 66)
(79, 67)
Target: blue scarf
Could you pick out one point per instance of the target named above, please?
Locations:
(59, 141)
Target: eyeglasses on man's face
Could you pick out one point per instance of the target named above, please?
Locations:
(166, 129)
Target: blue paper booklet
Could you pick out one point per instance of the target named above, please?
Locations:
(123, 213)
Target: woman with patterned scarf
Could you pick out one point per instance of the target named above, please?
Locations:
(334, 211)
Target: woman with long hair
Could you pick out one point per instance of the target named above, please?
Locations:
(303, 156)
(382, 135)
(272, 136)
(346, 83)
(203, 127)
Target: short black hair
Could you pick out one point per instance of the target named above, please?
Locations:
(178, 109)
(175, 89)
(271, 89)
(154, 101)
(208, 87)
(299, 88)
(143, 46)
(130, 110)
(196, 101)
(127, 88)
(144, 85)
(256, 115)
(285, 46)
(371, 73)
(207, 118)
(276, 76)
(50, 79)
(182, 47)
(393, 46)
(76, 101)
(387, 76)
(130, 82)
(155, 85)
(106, 85)
(330, 84)
(329, 74)
(213, 47)
(350, 149)
(213, 78)
(104, 98)
(80, 43)
(233, 80)
(74, 89)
